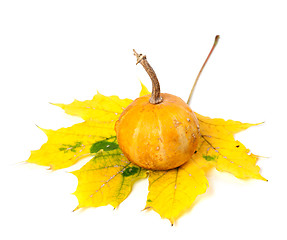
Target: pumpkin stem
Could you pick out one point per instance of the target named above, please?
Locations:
(155, 94)
(196, 80)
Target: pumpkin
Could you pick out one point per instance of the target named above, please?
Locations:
(157, 131)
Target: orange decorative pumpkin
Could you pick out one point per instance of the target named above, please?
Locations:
(157, 131)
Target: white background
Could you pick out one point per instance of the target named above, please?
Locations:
(58, 51)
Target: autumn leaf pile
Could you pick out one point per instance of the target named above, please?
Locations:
(108, 177)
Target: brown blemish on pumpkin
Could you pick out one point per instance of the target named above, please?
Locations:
(176, 123)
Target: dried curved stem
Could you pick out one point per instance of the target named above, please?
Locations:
(155, 95)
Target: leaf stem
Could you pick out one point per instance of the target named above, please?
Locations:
(155, 95)
(196, 80)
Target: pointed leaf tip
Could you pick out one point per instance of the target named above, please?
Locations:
(144, 91)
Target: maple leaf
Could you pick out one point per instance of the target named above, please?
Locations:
(108, 177)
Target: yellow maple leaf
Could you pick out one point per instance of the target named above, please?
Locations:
(108, 177)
